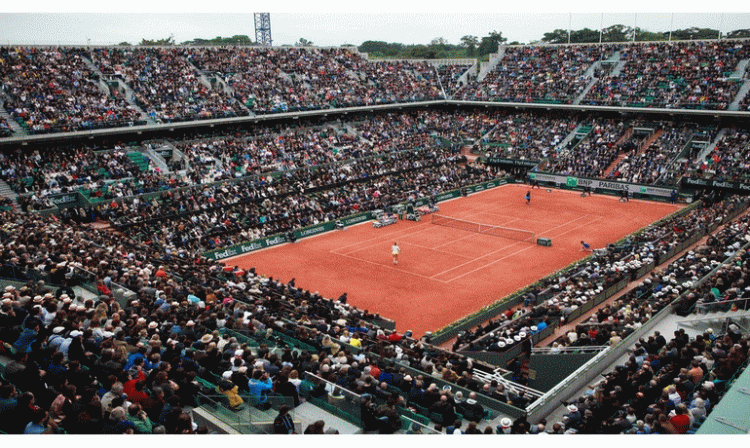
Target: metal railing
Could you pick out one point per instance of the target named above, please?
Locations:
(568, 350)
(723, 305)
(247, 418)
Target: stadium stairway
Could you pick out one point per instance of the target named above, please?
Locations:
(6, 191)
(486, 67)
(649, 141)
(710, 147)
(581, 132)
(741, 94)
(618, 68)
(158, 160)
(614, 164)
(621, 155)
(716, 319)
(589, 74)
(739, 71)
(588, 86)
(12, 123)
(130, 97)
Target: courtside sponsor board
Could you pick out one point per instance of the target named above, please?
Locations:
(312, 230)
(64, 200)
(246, 247)
(503, 161)
(573, 182)
(737, 187)
(226, 253)
(356, 219)
(446, 196)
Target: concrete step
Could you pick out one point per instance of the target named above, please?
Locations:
(741, 94)
(12, 123)
(6, 191)
(707, 150)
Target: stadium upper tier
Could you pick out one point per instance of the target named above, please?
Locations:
(60, 89)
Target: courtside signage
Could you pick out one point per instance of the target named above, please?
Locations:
(735, 187)
(573, 182)
(250, 246)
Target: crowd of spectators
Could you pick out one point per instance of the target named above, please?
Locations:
(531, 73)
(728, 160)
(615, 321)
(66, 169)
(209, 217)
(665, 387)
(293, 79)
(5, 129)
(166, 85)
(595, 153)
(688, 75)
(552, 301)
(529, 136)
(654, 164)
(450, 76)
(53, 90)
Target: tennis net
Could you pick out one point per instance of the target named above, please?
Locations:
(503, 232)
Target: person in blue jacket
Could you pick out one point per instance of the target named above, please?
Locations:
(259, 386)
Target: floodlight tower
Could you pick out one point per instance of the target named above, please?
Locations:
(263, 29)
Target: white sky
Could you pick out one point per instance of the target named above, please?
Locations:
(407, 23)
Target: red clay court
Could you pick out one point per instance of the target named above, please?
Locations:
(445, 273)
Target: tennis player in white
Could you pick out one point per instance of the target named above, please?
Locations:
(395, 250)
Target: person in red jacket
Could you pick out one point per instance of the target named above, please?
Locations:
(681, 420)
(134, 388)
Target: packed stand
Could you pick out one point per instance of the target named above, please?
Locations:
(166, 85)
(211, 217)
(728, 161)
(45, 173)
(538, 73)
(5, 129)
(292, 79)
(232, 157)
(689, 75)
(530, 136)
(595, 153)
(614, 322)
(330, 74)
(665, 387)
(256, 79)
(654, 164)
(53, 90)
(450, 76)
(166, 346)
(552, 302)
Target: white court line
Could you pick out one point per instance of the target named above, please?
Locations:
(391, 267)
(506, 247)
(535, 220)
(380, 237)
(526, 248)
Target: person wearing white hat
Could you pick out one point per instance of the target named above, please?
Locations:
(504, 426)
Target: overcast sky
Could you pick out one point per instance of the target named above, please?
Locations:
(339, 22)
